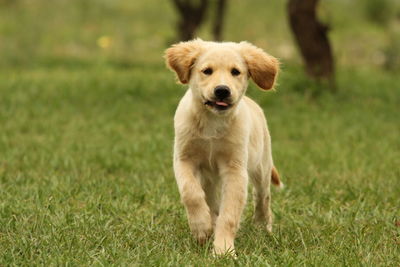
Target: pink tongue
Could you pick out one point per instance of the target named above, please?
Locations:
(221, 103)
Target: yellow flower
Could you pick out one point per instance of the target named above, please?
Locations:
(104, 41)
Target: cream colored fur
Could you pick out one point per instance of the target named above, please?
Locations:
(217, 151)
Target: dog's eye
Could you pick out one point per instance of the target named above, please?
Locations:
(235, 72)
(208, 71)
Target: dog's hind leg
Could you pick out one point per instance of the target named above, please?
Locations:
(261, 179)
(211, 186)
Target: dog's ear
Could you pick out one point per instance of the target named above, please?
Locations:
(263, 68)
(181, 57)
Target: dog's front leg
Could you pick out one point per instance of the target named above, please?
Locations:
(234, 193)
(193, 198)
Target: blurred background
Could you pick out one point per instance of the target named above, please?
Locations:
(81, 33)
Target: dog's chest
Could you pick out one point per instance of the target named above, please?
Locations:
(206, 153)
(212, 129)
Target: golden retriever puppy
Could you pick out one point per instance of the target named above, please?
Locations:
(221, 137)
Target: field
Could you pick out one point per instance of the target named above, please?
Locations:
(86, 145)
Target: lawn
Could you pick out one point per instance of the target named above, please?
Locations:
(86, 161)
(86, 173)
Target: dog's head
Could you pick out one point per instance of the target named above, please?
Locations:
(218, 73)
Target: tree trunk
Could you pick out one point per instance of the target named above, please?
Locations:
(192, 14)
(219, 20)
(311, 37)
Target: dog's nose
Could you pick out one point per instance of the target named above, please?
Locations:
(222, 91)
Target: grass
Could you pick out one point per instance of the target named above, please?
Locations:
(86, 143)
(86, 172)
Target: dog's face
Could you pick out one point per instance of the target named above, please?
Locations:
(218, 73)
(219, 77)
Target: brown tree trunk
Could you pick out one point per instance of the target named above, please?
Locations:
(192, 14)
(219, 20)
(311, 37)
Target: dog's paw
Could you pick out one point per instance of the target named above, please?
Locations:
(201, 230)
(269, 228)
(264, 223)
(263, 220)
(222, 251)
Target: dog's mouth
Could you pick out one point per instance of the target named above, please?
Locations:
(219, 105)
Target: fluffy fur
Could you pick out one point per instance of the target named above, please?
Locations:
(217, 148)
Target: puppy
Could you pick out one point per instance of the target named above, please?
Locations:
(221, 137)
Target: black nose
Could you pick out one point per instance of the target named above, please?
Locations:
(222, 91)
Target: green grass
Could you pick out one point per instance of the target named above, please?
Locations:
(86, 173)
(86, 140)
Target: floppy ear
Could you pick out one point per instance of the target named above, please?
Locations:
(263, 68)
(181, 57)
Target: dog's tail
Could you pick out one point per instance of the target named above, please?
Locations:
(276, 179)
